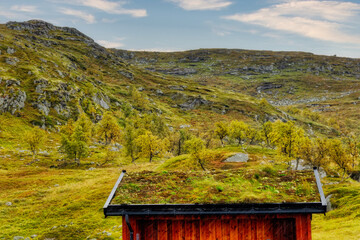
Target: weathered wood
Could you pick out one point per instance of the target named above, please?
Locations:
(229, 227)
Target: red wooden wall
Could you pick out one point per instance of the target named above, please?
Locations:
(220, 227)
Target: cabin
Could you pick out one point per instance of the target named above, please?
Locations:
(218, 205)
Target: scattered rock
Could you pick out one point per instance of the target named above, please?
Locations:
(44, 153)
(56, 185)
(101, 100)
(12, 60)
(60, 73)
(114, 149)
(8, 204)
(10, 50)
(91, 169)
(159, 92)
(194, 103)
(303, 166)
(238, 157)
(268, 85)
(126, 74)
(185, 126)
(178, 88)
(18, 238)
(12, 82)
(140, 89)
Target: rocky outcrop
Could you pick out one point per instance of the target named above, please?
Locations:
(238, 157)
(193, 103)
(175, 71)
(101, 100)
(267, 86)
(126, 74)
(12, 102)
(42, 28)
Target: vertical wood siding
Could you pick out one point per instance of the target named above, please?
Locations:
(220, 227)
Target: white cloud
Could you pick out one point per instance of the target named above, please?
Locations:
(323, 20)
(202, 4)
(11, 15)
(109, 7)
(24, 8)
(109, 44)
(79, 14)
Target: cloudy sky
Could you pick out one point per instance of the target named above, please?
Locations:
(322, 27)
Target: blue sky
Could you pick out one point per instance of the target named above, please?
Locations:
(322, 27)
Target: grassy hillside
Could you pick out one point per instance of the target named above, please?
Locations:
(50, 76)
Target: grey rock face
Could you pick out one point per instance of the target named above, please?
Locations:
(128, 75)
(12, 102)
(12, 82)
(42, 28)
(194, 103)
(101, 100)
(267, 86)
(43, 106)
(40, 85)
(238, 157)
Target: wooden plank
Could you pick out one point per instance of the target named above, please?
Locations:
(148, 232)
(162, 230)
(268, 229)
(299, 230)
(189, 234)
(225, 225)
(204, 229)
(218, 229)
(182, 229)
(169, 229)
(305, 229)
(260, 228)
(309, 226)
(244, 229)
(212, 230)
(253, 229)
(196, 229)
(176, 230)
(234, 229)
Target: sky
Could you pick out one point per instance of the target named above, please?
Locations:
(321, 27)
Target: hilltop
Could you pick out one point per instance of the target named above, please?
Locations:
(68, 91)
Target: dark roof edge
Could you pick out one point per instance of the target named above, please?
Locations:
(113, 191)
(214, 209)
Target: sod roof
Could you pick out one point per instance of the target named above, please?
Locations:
(217, 187)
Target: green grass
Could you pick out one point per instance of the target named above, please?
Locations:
(65, 204)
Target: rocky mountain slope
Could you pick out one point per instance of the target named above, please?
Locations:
(49, 74)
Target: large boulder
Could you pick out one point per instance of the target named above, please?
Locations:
(238, 157)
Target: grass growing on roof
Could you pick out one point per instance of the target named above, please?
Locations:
(230, 186)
